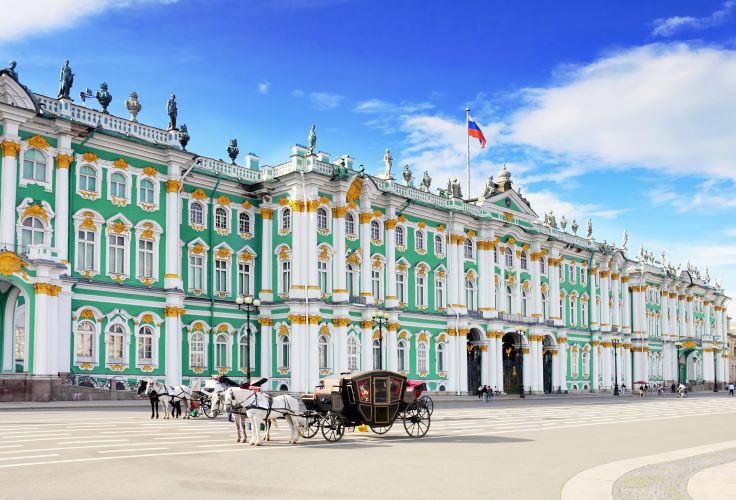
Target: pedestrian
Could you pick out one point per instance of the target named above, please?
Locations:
(730, 389)
(480, 391)
(495, 391)
(673, 387)
(484, 393)
(641, 391)
(623, 388)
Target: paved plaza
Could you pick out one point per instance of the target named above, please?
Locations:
(502, 449)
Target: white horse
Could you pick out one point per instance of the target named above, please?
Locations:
(171, 393)
(260, 407)
(217, 401)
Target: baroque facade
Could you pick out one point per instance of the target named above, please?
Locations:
(122, 256)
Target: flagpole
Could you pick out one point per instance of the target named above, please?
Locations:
(467, 156)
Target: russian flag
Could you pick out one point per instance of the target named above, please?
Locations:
(475, 131)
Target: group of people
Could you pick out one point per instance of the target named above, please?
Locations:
(486, 393)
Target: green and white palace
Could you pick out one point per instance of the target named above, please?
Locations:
(123, 255)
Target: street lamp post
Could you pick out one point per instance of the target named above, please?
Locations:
(615, 341)
(247, 304)
(715, 370)
(521, 364)
(381, 319)
(678, 346)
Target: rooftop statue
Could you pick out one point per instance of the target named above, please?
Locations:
(232, 150)
(183, 137)
(172, 112)
(624, 239)
(550, 220)
(426, 181)
(133, 106)
(11, 69)
(563, 223)
(491, 188)
(311, 141)
(66, 79)
(104, 97)
(407, 175)
(589, 231)
(574, 227)
(340, 171)
(453, 189)
(388, 161)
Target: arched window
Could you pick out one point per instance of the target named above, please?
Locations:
(575, 361)
(509, 258)
(419, 240)
(402, 356)
(145, 191)
(244, 223)
(441, 357)
(196, 213)
(508, 299)
(545, 306)
(145, 344)
(400, 236)
(573, 273)
(468, 248)
(439, 244)
(87, 178)
(584, 314)
(470, 295)
(352, 354)
(85, 340)
(285, 222)
(115, 344)
(543, 265)
(377, 355)
(422, 358)
(573, 311)
(350, 224)
(34, 165)
(322, 219)
(32, 232)
(583, 276)
(285, 352)
(118, 184)
(196, 350)
(375, 230)
(324, 352)
(525, 303)
(524, 264)
(221, 214)
(221, 351)
(586, 364)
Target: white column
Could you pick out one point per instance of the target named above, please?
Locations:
(64, 332)
(390, 278)
(61, 191)
(607, 370)
(555, 370)
(527, 363)
(594, 384)
(391, 344)
(365, 246)
(173, 260)
(485, 373)
(42, 332)
(266, 342)
(516, 304)
(312, 281)
(681, 311)
(366, 333)
(615, 288)
(627, 365)
(499, 361)
(690, 318)
(554, 264)
(484, 276)
(11, 148)
(536, 291)
(492, 359)
(462, 372)
(501, 299)
(173, 344)
(459, 274)
(266, 288)
(340, 343)
(562, 363)
(605, 308)
(493, 301)
(707, 330)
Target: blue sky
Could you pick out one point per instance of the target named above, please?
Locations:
(620, 111)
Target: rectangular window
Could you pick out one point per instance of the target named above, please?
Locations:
(196, 272)
(420, 291)
(116, 254)
(244, 278)
(145, 349)
(145, 259)
(85, 250)
(583, 276)
(322, 276)
(349, 277)
(376, 284)
(285, 276)
(439, 294)
(401, 288)
(221, 276)
(115, 348)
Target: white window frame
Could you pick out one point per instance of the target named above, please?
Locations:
(469, 249)
(583, 276)
(471, 294)
(420, 236)
(48, 163)
(94, 337)
(193, 223)
(242, 344)
(149, 207)
(250, 221)
(47, 225)
(125, 235)
(249, 278)
(97, 193)
(153, 360)
(376, 232)
(284, 344)
(572, 310)
(422, 359)
(323, 215)
(402, 294)
(350, 234)
(508, 258)
(440, 347)
(121, 202)
(202, 353)
(524, 261)
(324, 342)
(285, 220)
(154, 238)
(440, 292)
(439, 252)
(353, 353)
(227, 263)
(420, 290)
(400, 236)
(402, 355)
(572, 270)
(203, 256)
(117, 323)
(228, 351)
(219, 228)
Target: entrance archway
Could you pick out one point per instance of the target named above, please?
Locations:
(511, 364)
(474, 360)
(547, 365)
(14, 329)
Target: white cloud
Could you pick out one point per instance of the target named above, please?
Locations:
(325, 100)
(46, 16)
(670, 25)
(379, 106)
(543, 201)
(709, 195)
(297, 93)
(263, 87)
(665, 107)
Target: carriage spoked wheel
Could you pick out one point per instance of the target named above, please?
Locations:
(207, 409)
(312, 427)
(416, 420)
(333, 427)
(381, 429)
(428, 403)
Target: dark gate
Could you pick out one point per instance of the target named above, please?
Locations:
(547, 371)
(511, 366)
(474, 355)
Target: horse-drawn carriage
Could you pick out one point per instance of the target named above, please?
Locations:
(375, 399)
(202, 391)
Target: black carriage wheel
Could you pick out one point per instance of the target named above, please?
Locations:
(416, 420)
(312, 427)
(381, 429)
(333, 427)
(208, 411)
(428, 403)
